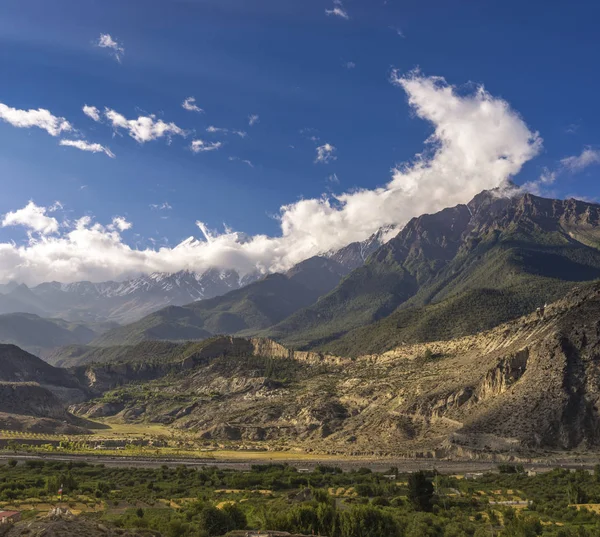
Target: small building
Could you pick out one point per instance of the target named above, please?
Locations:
(9, 517)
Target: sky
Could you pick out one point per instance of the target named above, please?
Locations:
(160, 135)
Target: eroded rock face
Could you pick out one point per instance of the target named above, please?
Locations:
(531, 383)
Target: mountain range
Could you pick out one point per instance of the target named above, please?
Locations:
(456, 272)
(474, 329)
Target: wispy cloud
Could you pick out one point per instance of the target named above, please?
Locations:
(39, 118)
(577, 163)
(399, 32)
(220, 130)
(568, 165)
(33, 217)
(87, 146)
(326, 154)
(310, 134)
(333, 178)
(92, 111)
(244, 161)
(572, 128)
(165, 206)
(200, 146)
(214, 130)
(106, 41)
(338, 10)
(349, 65)
(253, 119)
(144, 128)
(190, 105)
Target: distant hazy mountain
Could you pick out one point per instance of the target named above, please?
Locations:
(38, 335)
(247, 310)
(118, 301)
(131, 300)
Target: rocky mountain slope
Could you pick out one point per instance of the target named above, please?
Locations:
(483, 263)
(247, 310)
(528, 384)
(34, 395)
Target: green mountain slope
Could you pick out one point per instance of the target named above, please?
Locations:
(244, 311)
(459, 271)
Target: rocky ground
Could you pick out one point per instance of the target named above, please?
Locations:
(530, 384)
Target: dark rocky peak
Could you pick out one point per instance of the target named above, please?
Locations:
(431, 236)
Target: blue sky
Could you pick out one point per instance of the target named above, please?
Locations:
(307, 73)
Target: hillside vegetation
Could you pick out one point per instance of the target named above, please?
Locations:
(435, 277)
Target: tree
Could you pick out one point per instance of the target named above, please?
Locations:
(420, 491)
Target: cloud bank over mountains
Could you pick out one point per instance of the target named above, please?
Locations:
(478, 142)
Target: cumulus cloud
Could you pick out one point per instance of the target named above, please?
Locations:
(200, 146)
(326, 154)
(144, 128)
(577, 163)
(190, 105)
(338, 10)
(92, 111)
(87, 146)
(40, 118)
(477, 142)
(106, 41)
(120, 223)
(34, 218)
(253, 119)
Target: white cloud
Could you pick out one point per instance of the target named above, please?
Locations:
(87, 146)
(577, 163)
(40, 118)
(34, 218)
(245, 161)
(144, 128)
(220, 130)
(200, 146)
(117, 49)
(326, 154)
(120, 223)
(190, 104)
(478, 142)
(573, 164)
(333, 178)
(92, 111)
(161, 206)
(213, 130)
(253, 119)
(338, 10)
(349, 65)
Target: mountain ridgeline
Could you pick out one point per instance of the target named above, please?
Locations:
(462, 270)
(245, 311)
